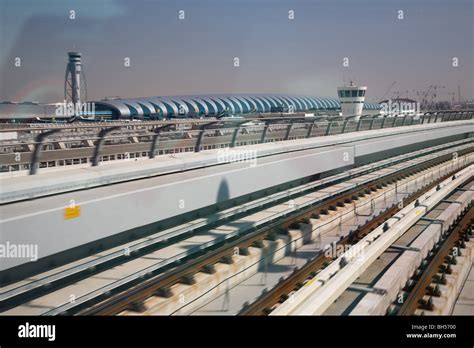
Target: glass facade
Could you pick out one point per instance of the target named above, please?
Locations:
(214, 104)
(351, 93)
(169, 109)
(246, 108)
(219, 106)
(227, 104)
(158, 110)
(133, 111)
(260, 105)
(201, 108)
(237, 107)
(146, 111)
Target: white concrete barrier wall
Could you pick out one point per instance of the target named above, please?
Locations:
(107, 216)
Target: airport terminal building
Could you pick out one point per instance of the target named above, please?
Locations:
(201, 105)
(183, 106)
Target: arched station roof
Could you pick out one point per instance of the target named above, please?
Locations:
(194, 105)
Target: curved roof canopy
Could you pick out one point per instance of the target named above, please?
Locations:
(193, 105)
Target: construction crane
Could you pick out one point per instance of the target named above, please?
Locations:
(453, 100)
(434, 96)
(424, 98)
(388, 90)
(429, 97)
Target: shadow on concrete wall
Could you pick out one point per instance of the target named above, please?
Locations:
(223, 193)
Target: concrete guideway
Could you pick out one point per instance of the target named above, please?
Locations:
(226, 292)
(105, 210)
(122, 274)
(317, 295)
(378, 290)
(82, 265)
(190, 226)
(395, 277)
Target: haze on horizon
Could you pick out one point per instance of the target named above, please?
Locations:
(195, 55)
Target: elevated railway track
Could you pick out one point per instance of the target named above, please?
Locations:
(131, 264)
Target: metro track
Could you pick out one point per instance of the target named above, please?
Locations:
(337, 196)
(382, 266)
(134, 300)
(269, 300)
(371, 287)
(161, 285)
(424, 285)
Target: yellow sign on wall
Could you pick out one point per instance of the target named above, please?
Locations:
(72, 212)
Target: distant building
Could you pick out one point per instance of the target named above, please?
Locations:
(352, 100)
(202, 105)
(25, 110)
(185, 106)
(75, 103)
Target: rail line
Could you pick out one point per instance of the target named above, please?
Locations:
(372, 292)
(427, 283)
(336, 196)
(389, 253)
(161, 285)
(267, 301)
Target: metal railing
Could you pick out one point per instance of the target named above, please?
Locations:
(195, 137)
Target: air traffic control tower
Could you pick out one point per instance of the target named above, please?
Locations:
(74, 82)
(352, 99)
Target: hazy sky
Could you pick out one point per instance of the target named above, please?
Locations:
(170, 56)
